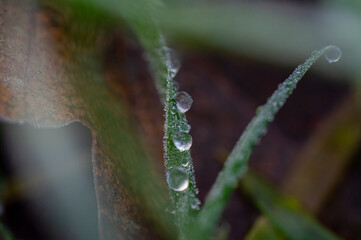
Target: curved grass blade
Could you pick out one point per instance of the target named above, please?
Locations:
(285, 214)
(341, 132)
(248, 29)
(236, 164)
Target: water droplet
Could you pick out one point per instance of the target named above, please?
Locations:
(173, 62)
(185, 162)
(177, 179)
(185, 128)
(183, 141)
(184, 101)
(333, 54)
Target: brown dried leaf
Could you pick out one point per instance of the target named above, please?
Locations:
(47, 79)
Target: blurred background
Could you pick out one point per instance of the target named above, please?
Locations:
(233, 55)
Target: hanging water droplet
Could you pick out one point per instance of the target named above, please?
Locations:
(185, 128)
(333, 54)
(183, 141)
(173, 62)
(177, 179)
(184, 101)
(185, 162)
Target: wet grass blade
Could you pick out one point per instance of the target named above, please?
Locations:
(285, 214)
(236, 164)
(185, 203)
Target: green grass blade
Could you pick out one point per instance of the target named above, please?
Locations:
(285, 214)
(185, 203)
(264, 230)
(248, 29)
(236, 164)
(341, 132)
(5, 233)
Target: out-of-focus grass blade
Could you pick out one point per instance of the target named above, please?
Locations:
(264, 230)
(339, 132)
(5, 234)
(353, 5)
(236, 164)
(269, 32)
(285, 214)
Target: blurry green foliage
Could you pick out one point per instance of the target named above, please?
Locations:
(285, 214)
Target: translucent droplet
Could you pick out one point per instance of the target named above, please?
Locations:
(173, 62)
(177, 179)
(183, 141)
(333, 54)
(185, 162)
(184, 101)
(185, 128)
